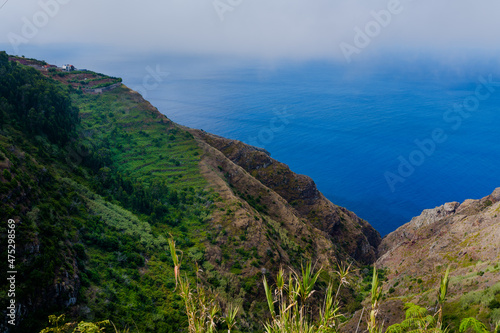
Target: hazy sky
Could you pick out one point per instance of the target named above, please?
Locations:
(262, 28)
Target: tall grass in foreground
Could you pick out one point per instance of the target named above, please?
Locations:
(417, 318)
(202, 307)
(376, 294)
(291, 307)
(290, 302)
(292, 310)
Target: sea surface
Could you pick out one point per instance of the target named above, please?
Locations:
(385, 140)
(351, 128)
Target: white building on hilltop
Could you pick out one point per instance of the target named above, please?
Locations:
(68, 68)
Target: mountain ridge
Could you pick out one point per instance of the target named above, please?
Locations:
(123, 179)
(95, 199)
(301, 190)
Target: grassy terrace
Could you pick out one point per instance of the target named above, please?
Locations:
(133, 285)
(77, 79)
(144, 144)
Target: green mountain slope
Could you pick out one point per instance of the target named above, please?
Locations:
(96, 183)
(90, 236)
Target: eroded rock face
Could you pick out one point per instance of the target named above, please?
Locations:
(432, 220)
(464, 235)
(430, 216)
(346, 230)
(496, 194)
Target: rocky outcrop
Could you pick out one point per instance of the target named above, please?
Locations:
(409, 230)
(452, 217)
(465, 236)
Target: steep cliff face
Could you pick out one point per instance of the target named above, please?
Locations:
(354, 236)
(93, 212)
(252, 217)
(471, 227)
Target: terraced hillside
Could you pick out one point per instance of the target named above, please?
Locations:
(97, 182)
(95, 197)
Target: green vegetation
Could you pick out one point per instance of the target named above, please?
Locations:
(58, 326)
(202, 308)
(99, 185)
(292, 309)
(417, 319)
(29, 103)
(472, 324)
(376, 294)
(94, 194)
(154, 149)
(293, 296)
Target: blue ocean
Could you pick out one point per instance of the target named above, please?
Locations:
(385, 139)
(386, 143)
